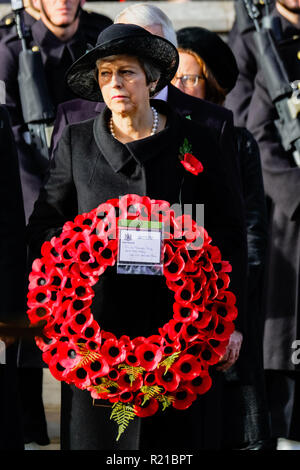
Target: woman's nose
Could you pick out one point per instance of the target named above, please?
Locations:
(116, 79)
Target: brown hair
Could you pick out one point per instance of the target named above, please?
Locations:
(213, 91)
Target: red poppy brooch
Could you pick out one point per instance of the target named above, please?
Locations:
(188, 160)
(138, 375)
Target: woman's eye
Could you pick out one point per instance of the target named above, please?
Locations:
(127, 72)
(105, 74)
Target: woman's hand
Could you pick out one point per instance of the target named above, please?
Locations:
(232, 352)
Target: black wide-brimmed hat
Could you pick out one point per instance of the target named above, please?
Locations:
(216, 54)
(119, 39)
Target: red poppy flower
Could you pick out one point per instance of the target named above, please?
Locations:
(92, 332)
(168, 379)
(174, 329)
(149, 408)
(174, 269)
(169, 252)
(112, 394)
(200, 301)
(40, 296)
(184, 397)
(227, 309)
(223, 330)
(133, 206)
(113, 351)
(155, 339)
(80, 377)
(36, 314)
(50, 255)
(184, 313)
(169, 349)
(208, 356)
(200, 384)
(126, 397)
(175, 285)
(149, 379)
(184, 294)
(79, 305)
(97, 368)
(190, 332)
(128, 382)
(106, 227)
(149, 355)
(86, 221)
(192, 164)
(218, 346)
(187, 367)
(107, 257)
(76, 323)
(132, 359)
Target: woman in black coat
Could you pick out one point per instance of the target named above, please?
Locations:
(13, 268)
(208, 70)
(132, 148)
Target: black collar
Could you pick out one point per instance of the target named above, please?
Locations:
(118, 154)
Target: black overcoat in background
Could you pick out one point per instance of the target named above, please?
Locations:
(281, 292)
(90, 167)
(12, 281)
(245, 409)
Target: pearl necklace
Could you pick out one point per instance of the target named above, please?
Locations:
(154, 126)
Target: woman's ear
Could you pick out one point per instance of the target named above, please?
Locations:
(152, 87)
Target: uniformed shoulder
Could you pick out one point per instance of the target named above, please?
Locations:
(7, 24)
(92, 24)
(8, 20)
(94, 19)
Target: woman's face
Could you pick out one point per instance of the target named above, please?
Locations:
(189, 77)
(122, 82)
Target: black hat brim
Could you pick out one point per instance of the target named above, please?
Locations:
(161, 53)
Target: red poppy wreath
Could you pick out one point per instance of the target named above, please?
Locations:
(136, 375)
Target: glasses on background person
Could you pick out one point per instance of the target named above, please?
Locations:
(189, 80)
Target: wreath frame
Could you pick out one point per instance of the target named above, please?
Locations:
(136, 375)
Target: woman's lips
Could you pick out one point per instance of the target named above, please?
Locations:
(119, 97)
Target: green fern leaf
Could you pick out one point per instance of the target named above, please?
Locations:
(132, 371)
(122, 414)
(165, 400)
(169, 361)
(150, 392)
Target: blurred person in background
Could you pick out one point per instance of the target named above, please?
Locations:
(208, 70)
(62, 34)
(12, 285)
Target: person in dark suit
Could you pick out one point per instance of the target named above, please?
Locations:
(208, 114)
(12, 285)
(244, 49)
(208, 69)
(62, 34)
(132, 147)
(29, 16)
(281, 292)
